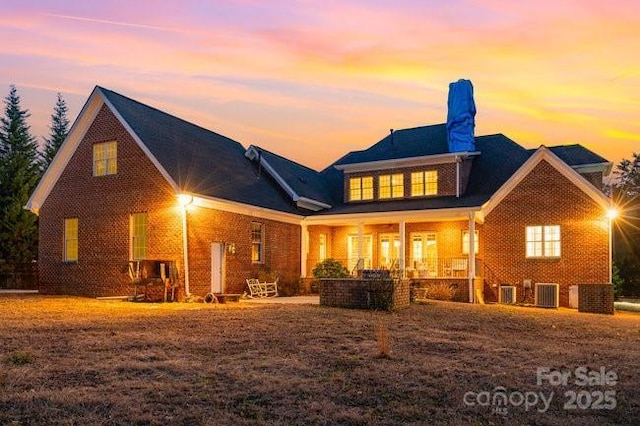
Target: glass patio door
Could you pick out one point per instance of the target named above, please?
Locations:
(389, 250)
(352, 252)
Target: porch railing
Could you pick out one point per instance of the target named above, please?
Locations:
(442, 267)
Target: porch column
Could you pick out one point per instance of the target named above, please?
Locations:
(304, 250)
(402, 229)
(472, 254)
(360, 243)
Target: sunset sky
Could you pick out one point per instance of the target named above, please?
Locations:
(312, 80)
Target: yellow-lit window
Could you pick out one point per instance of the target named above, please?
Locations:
(424, 183)
(71, 240)
(105, 158)
(465, 242)
(361, 188)
(391, 186)
(139, 236)
(257, 246)
(543, 241)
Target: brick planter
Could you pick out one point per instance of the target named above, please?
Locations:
(364, 294)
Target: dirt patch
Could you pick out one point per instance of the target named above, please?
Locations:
(112, 363)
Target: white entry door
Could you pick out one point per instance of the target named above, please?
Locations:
(217, 256)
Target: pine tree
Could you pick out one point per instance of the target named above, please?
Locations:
(59, 131)
(19, 174)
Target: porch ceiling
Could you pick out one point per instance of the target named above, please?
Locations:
(440, 215)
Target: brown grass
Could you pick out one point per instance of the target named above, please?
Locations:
(120, 363)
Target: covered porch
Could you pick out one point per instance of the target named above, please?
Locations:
(432, 245)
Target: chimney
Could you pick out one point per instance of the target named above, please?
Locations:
(461, 117)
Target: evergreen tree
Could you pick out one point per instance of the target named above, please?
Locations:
(59, 131)
(19, 174)
(626, 193)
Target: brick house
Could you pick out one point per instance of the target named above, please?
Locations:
(488, 216)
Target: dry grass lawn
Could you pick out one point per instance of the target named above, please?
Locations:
(84, 362)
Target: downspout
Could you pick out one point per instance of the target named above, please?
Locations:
(472, 255)
(457, 176)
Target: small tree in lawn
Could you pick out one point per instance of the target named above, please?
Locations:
(19, 175)
(59, 131)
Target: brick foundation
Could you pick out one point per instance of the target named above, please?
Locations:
(364, 294)
(595, 298)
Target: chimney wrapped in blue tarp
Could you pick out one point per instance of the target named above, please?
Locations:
(461, 117)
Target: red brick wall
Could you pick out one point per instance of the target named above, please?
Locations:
(546, 197)
(595, 178)
(103, 206)
(596, 298)
(281, 249)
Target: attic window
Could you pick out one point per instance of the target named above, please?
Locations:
(105, 158)
(361, 188)
(391, 186)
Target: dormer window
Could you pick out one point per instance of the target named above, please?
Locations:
(424, 183)
(361, 188)
(105, 158)
(391, 186)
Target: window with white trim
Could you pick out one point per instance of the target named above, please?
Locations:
(70, 240)
(257, 243)
(105, 158)
(391, 186)
(543, 241)
(465, 242)
(361, 188)
(139, 236)
(424, 183)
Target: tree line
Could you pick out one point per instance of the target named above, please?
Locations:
(22, 165)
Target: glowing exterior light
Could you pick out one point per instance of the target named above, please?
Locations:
(185, 199)
(612, 213)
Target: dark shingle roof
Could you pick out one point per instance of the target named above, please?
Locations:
(576, 154)
(304, 181)
(415, 142)
(198, 160)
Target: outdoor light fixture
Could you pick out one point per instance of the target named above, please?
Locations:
(185, 199)
(231, 248)
(612, 214)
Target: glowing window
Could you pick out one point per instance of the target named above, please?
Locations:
(361, 188)
(71, 240)
(391, 186)
(322, 247)
(105, 158)
(257, 238)
(139, 236)
(424, 183)
(543, 241)
(465, 242)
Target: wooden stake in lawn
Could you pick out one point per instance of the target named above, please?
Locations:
(383, 339)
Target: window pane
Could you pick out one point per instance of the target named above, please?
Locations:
(139, 236)
(417, 184)
(431, 182)
(367, 188)
(397, 185)
(355, 189)
(256, 242)
(70, 240)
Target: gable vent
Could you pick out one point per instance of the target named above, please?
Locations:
(507, 294)
(547, 295)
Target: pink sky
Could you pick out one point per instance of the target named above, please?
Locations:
(312, 80)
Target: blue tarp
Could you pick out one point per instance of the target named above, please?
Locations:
(460, 116)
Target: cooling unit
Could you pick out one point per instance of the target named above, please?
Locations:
(547, 295)
(507, 294)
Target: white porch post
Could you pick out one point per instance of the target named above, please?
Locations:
(402, 228)
(472, 254)
(360, 243)
(304, 250)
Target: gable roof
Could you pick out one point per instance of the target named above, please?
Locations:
(577, 155)
(306, 186)
(191, 158)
